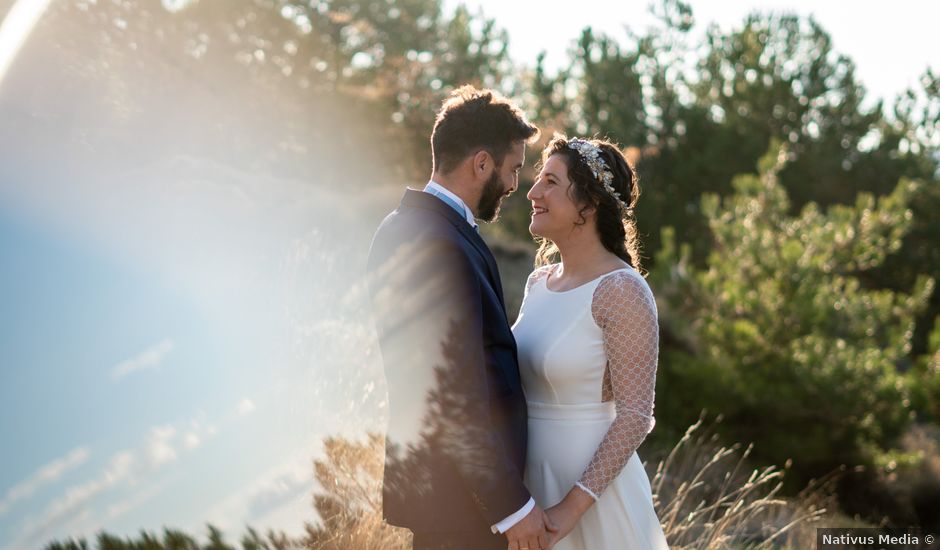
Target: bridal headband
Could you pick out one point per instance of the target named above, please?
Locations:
(591, 154)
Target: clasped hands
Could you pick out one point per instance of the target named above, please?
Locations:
(533, 532)
(541, 529)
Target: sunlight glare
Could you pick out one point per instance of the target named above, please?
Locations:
(16, 27)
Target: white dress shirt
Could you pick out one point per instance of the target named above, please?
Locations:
(437, 189)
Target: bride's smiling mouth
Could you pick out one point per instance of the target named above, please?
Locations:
(536, 210)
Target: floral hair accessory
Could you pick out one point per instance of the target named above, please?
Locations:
(591, 154)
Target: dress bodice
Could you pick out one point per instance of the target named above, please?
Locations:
(561, 348)
(595, 343)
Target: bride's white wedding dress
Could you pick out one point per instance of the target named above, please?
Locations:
(588, 362)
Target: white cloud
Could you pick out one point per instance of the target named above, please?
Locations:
(45, 475)
(124, 470)
(135, 500)
(159, 447)
(120, 468)
(191, 440)
(245, 406)
(288, 483)
(148, 359)
(197, 432)
(71, 505)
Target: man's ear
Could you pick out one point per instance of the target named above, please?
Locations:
(483, 164)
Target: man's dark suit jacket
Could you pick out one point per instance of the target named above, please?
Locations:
(456, 440)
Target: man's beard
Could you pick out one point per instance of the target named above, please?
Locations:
(491, 198)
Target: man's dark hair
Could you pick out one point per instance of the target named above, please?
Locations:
(472, 119)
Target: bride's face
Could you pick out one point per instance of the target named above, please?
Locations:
(554, 212)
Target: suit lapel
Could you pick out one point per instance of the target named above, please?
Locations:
(425, 200)
(477, 241)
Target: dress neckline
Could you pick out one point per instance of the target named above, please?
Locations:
(582, 285)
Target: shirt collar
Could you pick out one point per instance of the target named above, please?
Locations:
(435, 188)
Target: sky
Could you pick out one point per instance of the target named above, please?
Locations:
(892, 45)
(177, 336)
(165, 341)
(152, 374)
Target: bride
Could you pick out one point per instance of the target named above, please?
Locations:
(588, 341)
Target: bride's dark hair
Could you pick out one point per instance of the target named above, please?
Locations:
(615, 225)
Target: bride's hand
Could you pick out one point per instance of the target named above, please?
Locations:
(566, 514)
(564, 519)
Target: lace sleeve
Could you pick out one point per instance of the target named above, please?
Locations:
(624, 309)
(539, 273)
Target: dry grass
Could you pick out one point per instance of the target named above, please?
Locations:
(707, 500)
(703, 493)
(350, 509)
(365, 532)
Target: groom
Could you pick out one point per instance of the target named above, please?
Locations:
(456, 439)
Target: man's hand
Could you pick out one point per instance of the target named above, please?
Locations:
(532, 532)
